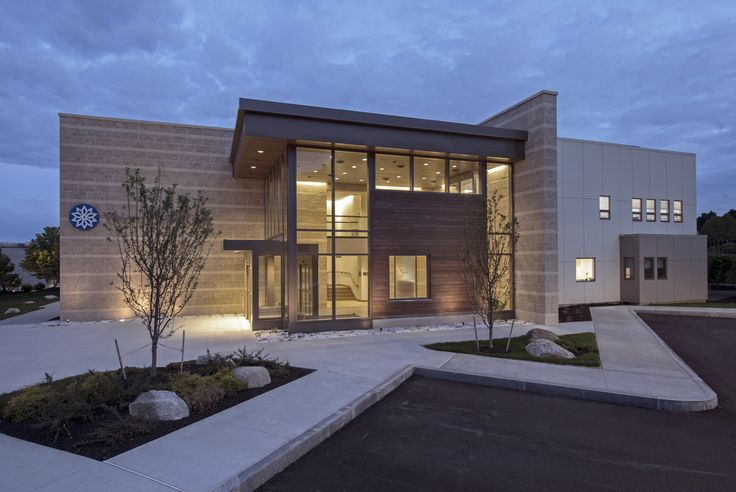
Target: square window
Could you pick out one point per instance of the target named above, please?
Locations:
(585, 269)
(661, 268)
(649, 268)
(408, 277)
(604, 207)
(464, 177)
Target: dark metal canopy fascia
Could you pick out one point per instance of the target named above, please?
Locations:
(292, 122)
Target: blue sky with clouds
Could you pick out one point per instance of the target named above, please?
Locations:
(656, 74)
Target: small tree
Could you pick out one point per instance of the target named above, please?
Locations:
(8, 279)
(163, 238)
(42, 256)
(490, 237)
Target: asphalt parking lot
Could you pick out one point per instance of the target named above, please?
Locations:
(438, 435)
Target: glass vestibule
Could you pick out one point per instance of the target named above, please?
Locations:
(332, 234)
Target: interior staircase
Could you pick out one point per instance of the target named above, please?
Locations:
(342, 293)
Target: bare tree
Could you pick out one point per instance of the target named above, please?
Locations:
(163, 238)
(490, 237)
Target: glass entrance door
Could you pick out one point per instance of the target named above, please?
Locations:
(306, 286)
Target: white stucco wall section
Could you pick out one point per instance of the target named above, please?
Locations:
(589, 169)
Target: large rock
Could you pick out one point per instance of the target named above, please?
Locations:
(541, 347)
(159, 405)
(12, 311)
(253, 376)
(50, 297)
(536, 333)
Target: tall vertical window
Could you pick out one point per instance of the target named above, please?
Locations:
(628, 268)
(648, 268)
(661, 268)
(498, 183)
(408, 277)
(604, 207)
(464, 177)
(664, 210)
(677, 210)
(585, 269)
(636, 209)
(651, 210)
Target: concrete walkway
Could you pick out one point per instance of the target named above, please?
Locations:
(44, 313)
(246, 444)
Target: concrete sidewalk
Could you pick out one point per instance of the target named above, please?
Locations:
(246, 444)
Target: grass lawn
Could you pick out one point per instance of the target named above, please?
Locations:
(19, 299)
(722, 305)
(583, 345)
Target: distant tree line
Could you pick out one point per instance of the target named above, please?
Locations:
(721, 232)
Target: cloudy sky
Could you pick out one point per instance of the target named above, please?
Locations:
(656, 74)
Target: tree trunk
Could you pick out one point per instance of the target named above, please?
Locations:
(490, 328)
(154, 349)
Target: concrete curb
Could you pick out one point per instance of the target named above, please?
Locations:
(687, 311)
(266, 468)
(549, 389)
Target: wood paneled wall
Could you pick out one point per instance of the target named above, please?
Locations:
(412, 223)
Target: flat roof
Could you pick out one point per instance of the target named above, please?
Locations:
(293, 123)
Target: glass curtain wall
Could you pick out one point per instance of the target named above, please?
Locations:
(332, 233)
(498, 182)
(272, 268)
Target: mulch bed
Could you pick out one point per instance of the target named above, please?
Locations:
(85, 431)
(579, 312)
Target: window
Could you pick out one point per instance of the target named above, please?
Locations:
(664, 210)
(429, 174)
(604, 207)
(585, 269)
(408, 277)
(651, 210)
(628, 268)
(393, 172)
(464, 177)
(636, 209)
(677, 210)
(661, 268)
(648, 268)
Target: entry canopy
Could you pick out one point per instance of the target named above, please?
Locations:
(263, 130)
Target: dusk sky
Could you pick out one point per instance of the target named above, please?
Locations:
(655, 74)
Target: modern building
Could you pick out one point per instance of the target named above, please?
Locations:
(337, 219)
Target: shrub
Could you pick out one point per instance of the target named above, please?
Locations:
(121, 431)
(199, 392)
(40, 286)
(26, 287)
(277, 367)
(98, 387)
(29, 403)
(227, 381)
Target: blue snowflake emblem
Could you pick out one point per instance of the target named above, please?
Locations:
(84, 216)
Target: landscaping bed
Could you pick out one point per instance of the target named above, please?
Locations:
(582, 345)
(19, 299)
(88, 414)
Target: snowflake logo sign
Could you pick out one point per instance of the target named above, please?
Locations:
(84, 216)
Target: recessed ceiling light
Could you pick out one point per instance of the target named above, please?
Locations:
(424, 178)
(344, 172)
(338, 179)
(354, 167)
(252, 167)
(436, 172)
(426, 163)
(260, 151)
(398, 176)
(365, 159)
(454, 166)
(315, 171)
(381, 169)
(361, 180)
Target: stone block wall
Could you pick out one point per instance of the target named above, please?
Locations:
(535, 206)
(94, 154)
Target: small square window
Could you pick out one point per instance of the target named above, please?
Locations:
(677, 210)
(661, 268)
(629, 268)
(651, 210)
(649, 268)
(604, 207)
(636, 209)
(585, 269)
(408, 277)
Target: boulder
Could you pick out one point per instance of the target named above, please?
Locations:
(252, 376)
(159, 405)
(536, 333)
(50, 297)
(12, 311)
(541, 347)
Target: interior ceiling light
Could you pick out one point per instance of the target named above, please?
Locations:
(426, 163)
(361, 180)
(381, 169)
(260, 151)
(365, 158)
(314, 171)
(398, 176)
(436, 172)
(423, 177)
(454, 166)
(353, 167)
(344, 172)
(252, 167)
